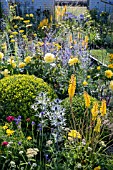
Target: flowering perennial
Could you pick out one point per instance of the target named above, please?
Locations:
(111, 85)
(108, 73)
(87, 99)
(72, 87)
(103, 108)
(94, 111)
(73, 61)
(74, 134)
(98, 125)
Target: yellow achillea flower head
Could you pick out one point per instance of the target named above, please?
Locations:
(108, 73)
(85, 83)
(14, 33)
(98, 67)
(31, 15)
(21, 31)
(98, 125)
(29, 138)
(27, 59)
(74, 134)
(94, 111)
(72, 87)
(111, 56)
(87, 99)
(15, 26)
(9, 132)
(27, 15)
(103, 108)
(26, 21)
(73, 61)
(5, 72)
(97, 168)
(111, 85)
(13, 65)
(110, 65)
(22, 65)
(88, 76)
(12, 40)
(1, 55)
(5, 127)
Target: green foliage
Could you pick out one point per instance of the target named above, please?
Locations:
(78, 107)
(18, 93)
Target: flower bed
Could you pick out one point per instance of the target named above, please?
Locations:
(57, 98)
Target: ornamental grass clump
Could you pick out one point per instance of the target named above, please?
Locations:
(18, 93)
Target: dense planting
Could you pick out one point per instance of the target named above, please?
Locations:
(56, 99)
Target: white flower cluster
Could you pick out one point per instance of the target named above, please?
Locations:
(52, 113)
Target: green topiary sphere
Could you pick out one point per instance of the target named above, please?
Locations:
(18, 93)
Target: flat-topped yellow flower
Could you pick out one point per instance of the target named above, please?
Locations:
(15, 26)
(88, 76)
(22, 65)
(21, 31)
(29, 138)
(15, 33)
(98, 67)
(111, 85)
(111, 56)
(97, 168)
(26, 21)
(74, 134)
(5, 72)
(110, 65)
(27, 59)
(12, 40)
(49, 58)
(1, 55)
(9, 132)
(108, 73)
(85, 83)
(5, 127)
(11, 36)
(31, 15)
(73, 61)
(13, 65)
(27, 15)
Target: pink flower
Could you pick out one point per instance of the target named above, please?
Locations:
(28, 119)
(4, 143)
(10, 118)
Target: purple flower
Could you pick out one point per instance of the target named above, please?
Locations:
(82, 17)
(46, 156)
(17, 120)
(33, 123)
(39, 126)
(19, 143)
(42, 113)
